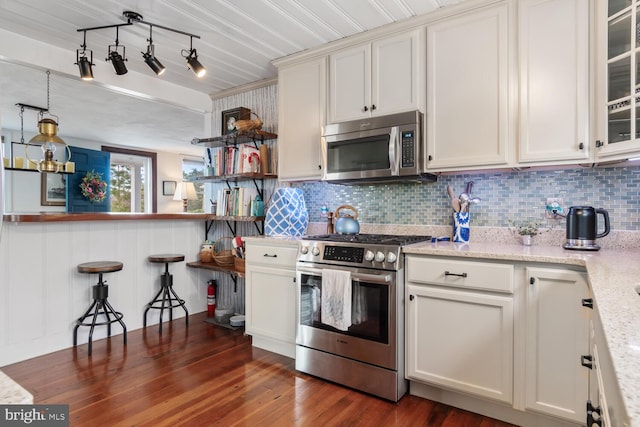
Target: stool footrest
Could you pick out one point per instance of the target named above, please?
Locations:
(173, 303)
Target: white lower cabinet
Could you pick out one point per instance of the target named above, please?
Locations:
(460, 326)
(504, 339)
(557, 335)
(271, 295)
(470, 349)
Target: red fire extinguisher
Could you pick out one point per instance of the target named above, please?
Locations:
(211, 298)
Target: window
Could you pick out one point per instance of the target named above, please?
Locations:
(192, 169)
(133, 177)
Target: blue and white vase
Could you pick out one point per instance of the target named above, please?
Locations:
(287, 214)
(461, 227)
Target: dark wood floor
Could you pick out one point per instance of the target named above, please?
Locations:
(207, 375)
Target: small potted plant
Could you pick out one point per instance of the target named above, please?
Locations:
(527, 230)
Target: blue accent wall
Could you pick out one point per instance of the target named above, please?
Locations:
(505, 196)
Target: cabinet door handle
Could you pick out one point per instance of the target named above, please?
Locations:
(430, 157)
(587, 361)
(581, 146)
(587, 302)
(373, 107)
(270, 256)
(366, 108)
(446, 273)
(591, 420)
(532, 280)
(411, 297)
(599, 144)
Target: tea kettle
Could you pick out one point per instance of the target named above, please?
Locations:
(582, 228)
(346, 224)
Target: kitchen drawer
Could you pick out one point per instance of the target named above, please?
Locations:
(271, 255)
(460, 274)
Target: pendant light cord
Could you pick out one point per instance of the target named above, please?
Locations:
(22, 125)
(48, 76)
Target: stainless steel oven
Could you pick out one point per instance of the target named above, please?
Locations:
(368, 355)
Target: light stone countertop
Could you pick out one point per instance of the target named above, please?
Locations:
(613, 274)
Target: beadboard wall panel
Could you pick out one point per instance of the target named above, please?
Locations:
(43, 294)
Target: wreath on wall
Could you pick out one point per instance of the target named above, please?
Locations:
(93, 187)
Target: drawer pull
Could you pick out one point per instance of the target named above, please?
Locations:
(270, 256)
(446, 273)
(587, 302)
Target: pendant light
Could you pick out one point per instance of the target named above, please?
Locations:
(48, 140)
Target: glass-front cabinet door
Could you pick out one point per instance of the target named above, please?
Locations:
(618, 81)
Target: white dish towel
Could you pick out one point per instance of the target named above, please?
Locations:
(336, 298)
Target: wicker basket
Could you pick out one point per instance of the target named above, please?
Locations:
(222, 256)
(239, 264)
(247, 125)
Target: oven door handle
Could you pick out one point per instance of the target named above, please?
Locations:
(356, 277)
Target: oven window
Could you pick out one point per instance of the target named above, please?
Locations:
(361, 154)
(369, 309)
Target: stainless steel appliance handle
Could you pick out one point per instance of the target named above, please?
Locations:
(394, 148)
(357, 277)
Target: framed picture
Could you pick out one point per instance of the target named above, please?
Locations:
(229, 118)
(53, 189)
(168, 188)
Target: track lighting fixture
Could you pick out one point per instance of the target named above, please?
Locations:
(117, 59)
(117, 56)
(150, 56)
(84, 63)
(192, 61)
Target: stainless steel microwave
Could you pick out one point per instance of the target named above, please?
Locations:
(378, 149)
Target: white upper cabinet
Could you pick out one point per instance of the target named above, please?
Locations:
(618, 80)
(377, 78)
(554, 81)
(470, 118)
(301, 107)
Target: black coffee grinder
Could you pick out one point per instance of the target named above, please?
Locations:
(582, 228)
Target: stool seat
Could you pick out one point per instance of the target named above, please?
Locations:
(100, 267)
(163, 258)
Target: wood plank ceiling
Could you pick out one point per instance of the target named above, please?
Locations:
(238, 40)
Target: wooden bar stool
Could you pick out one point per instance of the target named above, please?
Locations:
(100, 305)
(166, 298)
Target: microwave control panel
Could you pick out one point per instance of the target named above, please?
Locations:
(408, 149)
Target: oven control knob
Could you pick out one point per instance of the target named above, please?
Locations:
(391, 257)
(369, 256)
(315, 251)
(379, 256)
(304, 249)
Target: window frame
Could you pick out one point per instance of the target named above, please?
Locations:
(154, 169)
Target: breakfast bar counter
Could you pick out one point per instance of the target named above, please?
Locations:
(99, 216)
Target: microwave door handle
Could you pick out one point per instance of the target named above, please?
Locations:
(356, 277)
(394, 149)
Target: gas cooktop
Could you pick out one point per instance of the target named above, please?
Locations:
(377, 239)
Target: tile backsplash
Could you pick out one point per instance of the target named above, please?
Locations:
(505, 195)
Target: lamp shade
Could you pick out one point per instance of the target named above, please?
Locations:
(185, 191)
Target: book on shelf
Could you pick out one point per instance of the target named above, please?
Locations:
(241, 159)
(235, 201)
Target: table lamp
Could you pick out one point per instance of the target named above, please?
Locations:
(185, 191)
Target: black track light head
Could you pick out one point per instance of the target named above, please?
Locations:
(152, 61)
(84, 65)
(195, 65)
(117, 59)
